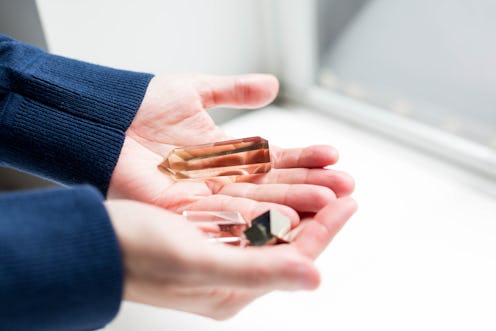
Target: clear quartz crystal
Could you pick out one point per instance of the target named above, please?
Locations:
(244, 156)
(231, 228)
(225, 227)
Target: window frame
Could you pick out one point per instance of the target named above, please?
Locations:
(293, 56)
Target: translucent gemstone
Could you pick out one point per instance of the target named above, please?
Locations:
(269, 227)
(231, 228)
(244, 156)
(224, 227)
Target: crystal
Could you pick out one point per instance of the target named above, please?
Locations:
(224, 227)
(231, 228)
(267, 228)
(244, 156)
(258, 235)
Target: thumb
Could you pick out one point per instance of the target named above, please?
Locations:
(242, 91)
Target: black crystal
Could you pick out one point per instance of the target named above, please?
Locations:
(270, 226)
(258, 233)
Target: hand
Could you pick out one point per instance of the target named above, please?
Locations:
(173, 113)
(170, 264)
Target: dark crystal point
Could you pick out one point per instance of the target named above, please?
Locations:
(268, 227)
(258, 235)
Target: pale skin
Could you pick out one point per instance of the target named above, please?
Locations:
(167, 262)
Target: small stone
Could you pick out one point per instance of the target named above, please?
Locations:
(269, 227)
(257, 235)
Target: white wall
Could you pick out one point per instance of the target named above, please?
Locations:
(211, 36)
(161, 36)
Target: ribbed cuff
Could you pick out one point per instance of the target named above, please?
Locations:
(61, 118)
(57, 145)
(61, 266)
(100, 94)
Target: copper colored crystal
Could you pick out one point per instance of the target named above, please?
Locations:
(226, 158)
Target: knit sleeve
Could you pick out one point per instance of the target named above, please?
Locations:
(64, 119)
(60, 264)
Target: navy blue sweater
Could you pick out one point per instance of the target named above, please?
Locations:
(62, 119)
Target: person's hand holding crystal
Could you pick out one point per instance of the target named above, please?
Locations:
(173, 115)
(165, 262)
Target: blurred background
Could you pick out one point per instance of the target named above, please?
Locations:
(404, 89)
(413, 66)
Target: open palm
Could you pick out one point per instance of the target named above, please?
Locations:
(164, 268)
(173, 113)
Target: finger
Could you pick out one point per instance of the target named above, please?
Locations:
(300, 197)
(247, 207)
(313, 235)
(317, 156)
(243, 91)
(339, 182)
(262, 268)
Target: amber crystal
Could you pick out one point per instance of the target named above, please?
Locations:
(244, 156)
